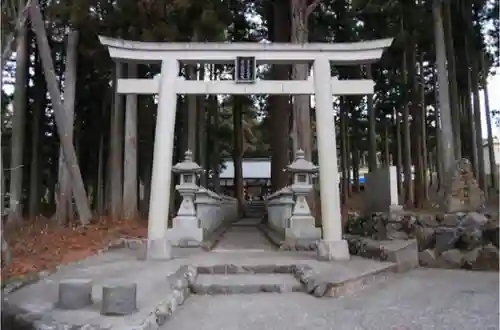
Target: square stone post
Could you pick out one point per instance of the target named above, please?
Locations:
(158, 246)
(332, 246)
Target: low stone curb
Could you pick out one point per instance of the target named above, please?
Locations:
(222, 289)
(405, 257)
(180, 282)
(273, 236)
(211, 241)
(287, 245)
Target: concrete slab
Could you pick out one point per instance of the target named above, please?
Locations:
(418, 300)
(245, 283)
(123, 266)
(244, 238)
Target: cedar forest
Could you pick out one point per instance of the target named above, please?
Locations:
(44, 205)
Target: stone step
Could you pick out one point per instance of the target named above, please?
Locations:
(245, 284)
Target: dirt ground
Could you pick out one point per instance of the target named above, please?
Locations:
(43, 246)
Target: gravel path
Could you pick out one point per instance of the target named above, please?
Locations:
(423, 299)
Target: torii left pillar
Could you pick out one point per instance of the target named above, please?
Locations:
(158, 246)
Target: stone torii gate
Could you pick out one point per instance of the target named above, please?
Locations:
(246, 56)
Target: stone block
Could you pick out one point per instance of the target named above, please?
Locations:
(119, 299)
(446, 239)
(397, 235)
(405, 257)
(470, 257)
(453, 258)
(158, 249)
(461, 191)
(333, 250)
(492, 235)
(185, 236)
(426, 237)
(427, 258)
(487, 258)
(475, 219)
(303, 233)
(74, 294)
(320, 290)
(427, 220)
(451, 220)
(471, 238)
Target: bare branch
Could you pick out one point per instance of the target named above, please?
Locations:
(311, 7)
(21, 21)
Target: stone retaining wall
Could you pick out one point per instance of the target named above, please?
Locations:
(445, 240)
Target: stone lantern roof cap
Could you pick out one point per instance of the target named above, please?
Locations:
(300, 164)
(187, 165)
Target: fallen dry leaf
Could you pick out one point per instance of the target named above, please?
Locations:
(41, 245)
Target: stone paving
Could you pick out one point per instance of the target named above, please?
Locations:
(244, 236)
(422, 299)
(243, 259)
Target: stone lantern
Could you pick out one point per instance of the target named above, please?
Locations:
(187, 187)
(302, 223)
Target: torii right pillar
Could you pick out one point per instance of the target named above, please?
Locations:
(331, 246)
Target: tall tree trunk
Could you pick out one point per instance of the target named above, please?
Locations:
(279, 106)
(100, 177)
(301, 103)
(343, 149)
(348, 158)
(477, 124)
(130, 200)
(355, 150)
(452, 77)
(437, 158)
(214, 121)
(38, 114)
(469, 109)
(399, 155)
(238, 151)
(192, 114)
(416, 112)
(64, 212)
(387, 148)
(474, 85)
(447, 138)
(407, 164)
(491, 151)
(116, 147)
(372, 134)
(192, 104)
(202, 131)
(18, 126)
(6, 253)
(71, 160)
(423, 137)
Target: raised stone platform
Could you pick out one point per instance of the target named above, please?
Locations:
(444, 240)
(162, 286)
(404, 253)
(245, 283)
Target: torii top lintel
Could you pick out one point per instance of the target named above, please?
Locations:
(363, 52)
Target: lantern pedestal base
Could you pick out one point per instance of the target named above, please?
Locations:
(185, 232)
(302, 227)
